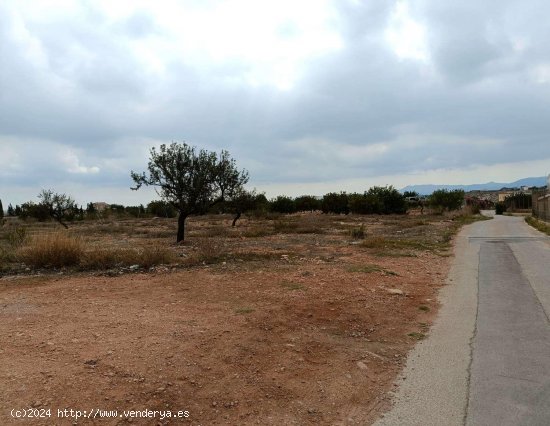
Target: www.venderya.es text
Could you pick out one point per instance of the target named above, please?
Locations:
(96, 413)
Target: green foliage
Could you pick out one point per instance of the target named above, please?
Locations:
(31, 210)
(378, 200)
(500, 208)
(90, 209)
(11, 210)
(60, 207)
(364, 203)
(191, 180)
(334, 202)
(519, 201)
(161, 208)
(244, 201)
(307, 203)
(116, 208)
(443, 199)
(409, 194)
(283, 204)
(1, 210)
(390, 199)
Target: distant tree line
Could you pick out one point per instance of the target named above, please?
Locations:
(377, 200)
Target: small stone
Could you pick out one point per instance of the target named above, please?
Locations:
(362, 365)
(394, 291)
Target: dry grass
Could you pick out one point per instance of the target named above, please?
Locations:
(94, 245)
(106, 258)
(54, 250)
(538, 224)
(206, 251)
(257, 232)
(60, 249)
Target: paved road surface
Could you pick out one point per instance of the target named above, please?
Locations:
(487, 359)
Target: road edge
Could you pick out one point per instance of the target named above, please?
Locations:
(433, 387)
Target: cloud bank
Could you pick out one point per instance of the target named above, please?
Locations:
(309, 96)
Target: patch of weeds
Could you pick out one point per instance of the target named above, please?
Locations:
(416, 335)
(215, 231)
(241, 311)
(309, 229)
(257, 232)
(424, 326)
(17, 236)
(424, 308)
(54, 250)
(404, 224)
(367, 269)
(466, 219)
(206, 251)
(285, 227)
(146, 257)
(358, 233)
(538, 225)
(289, 285)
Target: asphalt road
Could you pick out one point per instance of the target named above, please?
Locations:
(487, 358)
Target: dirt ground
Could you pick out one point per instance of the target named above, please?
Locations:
(302, 325)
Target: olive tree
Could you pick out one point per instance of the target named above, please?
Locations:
(242, 201)
(58, 206)
(192, 180)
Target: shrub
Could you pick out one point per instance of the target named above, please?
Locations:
(52, 250)
(358, 233)
(378, 200)
(390, 200)
(500, 208)
(335, 203)
(283, 204)
(17, 236)
(364, 203)
(443, 199)
(307, 203)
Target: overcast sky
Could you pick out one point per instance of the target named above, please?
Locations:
(309, 96)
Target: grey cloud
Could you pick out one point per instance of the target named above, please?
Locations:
(475, 101)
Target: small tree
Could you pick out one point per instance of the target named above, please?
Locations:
(335, 203)
(60, 207)
(391, 201)
(1, 210)
(191, 180)
(241, 202)
(307, 203)
(30, 209)
(444, 199)
(11, 211)
(283, 204)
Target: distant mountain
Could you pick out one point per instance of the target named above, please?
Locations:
(489, 186)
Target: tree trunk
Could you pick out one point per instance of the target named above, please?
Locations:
(181, 227)
(62, 223)
(236, 218)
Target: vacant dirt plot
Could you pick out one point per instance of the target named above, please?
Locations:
(284, 321)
